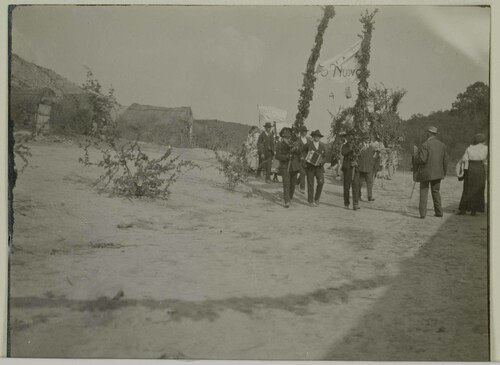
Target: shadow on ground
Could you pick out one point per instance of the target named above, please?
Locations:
(436, 308)
(207, 309)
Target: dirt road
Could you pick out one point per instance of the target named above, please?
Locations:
(215, 274)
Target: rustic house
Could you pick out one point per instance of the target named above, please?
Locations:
(30, 108)
(169, 126)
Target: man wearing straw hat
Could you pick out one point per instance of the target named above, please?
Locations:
(431, 163)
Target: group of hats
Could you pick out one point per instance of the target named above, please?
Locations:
(287, 132)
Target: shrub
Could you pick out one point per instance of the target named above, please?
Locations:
(233, 166)
(134, 174)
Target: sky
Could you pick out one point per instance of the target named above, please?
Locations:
(224, 61)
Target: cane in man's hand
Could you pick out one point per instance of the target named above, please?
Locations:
(412, 190)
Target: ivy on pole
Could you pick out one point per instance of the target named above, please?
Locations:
(360, 110)
(306, 92)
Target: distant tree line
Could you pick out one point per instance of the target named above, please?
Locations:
(469, 115)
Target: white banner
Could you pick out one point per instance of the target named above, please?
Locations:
(271, 114)
(343, 67)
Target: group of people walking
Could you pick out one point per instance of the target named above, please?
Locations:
(302, 164)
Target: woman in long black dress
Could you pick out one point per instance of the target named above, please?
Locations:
(475, 163)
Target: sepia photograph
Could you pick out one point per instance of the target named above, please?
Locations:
(249, 182)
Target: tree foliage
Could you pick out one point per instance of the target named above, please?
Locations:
(473, 106)
(306, 92)
(469, 115)
(383, 121)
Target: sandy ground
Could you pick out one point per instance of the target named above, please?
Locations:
(215, 274)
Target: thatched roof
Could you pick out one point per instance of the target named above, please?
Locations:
(28, 76)
(165, 125)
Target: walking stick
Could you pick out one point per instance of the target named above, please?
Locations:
(411, 195)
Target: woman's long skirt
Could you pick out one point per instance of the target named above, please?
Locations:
(474, 185)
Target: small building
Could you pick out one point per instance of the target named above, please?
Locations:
(169, 126)
(30, 108)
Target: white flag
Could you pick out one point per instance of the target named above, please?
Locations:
(343, 67)
(271, 114)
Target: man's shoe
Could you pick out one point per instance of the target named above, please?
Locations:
(461, 212)
(316, 203)
(371, 199)
(422, 217)
(269, 182)
(287, 205)
(346, 206)
(438, 215)
(355, 207)
(473, 213)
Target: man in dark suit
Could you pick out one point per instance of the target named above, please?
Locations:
(431, 163)
(351, 173)
(367, 164)
(315, 171)
(288, 154)
(265, 147)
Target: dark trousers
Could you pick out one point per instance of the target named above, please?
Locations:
(265, 164)
(314, 172)
(351, 181)
(368, 177)
(436, 196)
(289, 182)
(302, 178)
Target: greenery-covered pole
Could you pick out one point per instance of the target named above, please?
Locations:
(361, 107)
(306, 92)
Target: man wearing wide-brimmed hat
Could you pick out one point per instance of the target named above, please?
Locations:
(288, 154)
(315, 170)
(265, 147)
(431, 163)
(350, 172)
(302, 173)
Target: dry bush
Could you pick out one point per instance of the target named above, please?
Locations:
(233, 166)
(133, 173)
